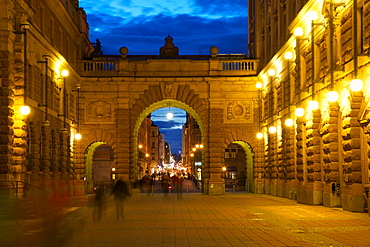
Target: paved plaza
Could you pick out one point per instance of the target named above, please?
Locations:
(234, 219)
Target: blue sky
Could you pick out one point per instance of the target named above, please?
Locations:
(142, 25)
(171, 128)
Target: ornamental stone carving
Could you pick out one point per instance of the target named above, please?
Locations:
(99, 111)
(239, 111)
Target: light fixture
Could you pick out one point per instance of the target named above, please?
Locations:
(224, 169)
(288, 55)
(146, 155)
(25, 110)
(312, 15)
(191, 155)
(289, 122)
(259, 85)
(356, 85)
(194, 149)
(196, 145)
(113, 169)
(298, 32)
(78, 136)
(272, 130)
(271, 72)
(259, 135)
(201, 145)
(140, 146)
(299, 112)
(313, 105)
(332, 96)
(169, 114)
(64, 73)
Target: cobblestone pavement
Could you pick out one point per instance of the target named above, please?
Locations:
(234, 219)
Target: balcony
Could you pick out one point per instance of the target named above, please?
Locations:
(159, 66)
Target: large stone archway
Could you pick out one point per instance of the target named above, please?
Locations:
(114, 106)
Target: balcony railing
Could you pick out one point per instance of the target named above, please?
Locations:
(167, 67)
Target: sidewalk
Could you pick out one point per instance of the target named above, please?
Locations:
(231, 220)
(235, 219)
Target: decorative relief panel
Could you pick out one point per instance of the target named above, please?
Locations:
(239, 111)
(99, 111)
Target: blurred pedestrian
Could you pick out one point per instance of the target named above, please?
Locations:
(121, 192)
(98, 203)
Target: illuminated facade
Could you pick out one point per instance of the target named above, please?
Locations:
(315, 71)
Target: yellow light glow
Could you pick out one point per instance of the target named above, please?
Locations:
(113, 169)
(196, 145)
(64, 73)
(191, 155)
(146, 155)
(356, 85)
(298, 32)
(25, 110)
(259, 85)
(78, 136)
(224, 169)
(313, 105)
(271, 72)
(289, 122)
(332, 96)
(299, 112)
(259, 135)
(201, 145)
(140, 146)
(272, 130)
(288, 55)
(312, 15)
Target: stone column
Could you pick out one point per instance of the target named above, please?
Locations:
(123, 148)
(314, 159)
(329, 134)
(352, 189)
(63, 148)
(300, 162)
(215, 185)
(45, 151)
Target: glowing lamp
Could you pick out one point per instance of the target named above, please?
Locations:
(356, 85)
(259, 85)
(64, 73)
(272, 130)
(191, 155)
(288, 55)
(224, 169)
(313, 105)
(312, 15)
(169, 115)
(113, 169)
(196, 145)
(299, 112)
(146, 155)
(194, 149)
(289, 122)
(298, 32)
(259, 135)
(78, 136)
(332, 96)
(25, 110)
(201, 145)
(271, 72)
(140, 146)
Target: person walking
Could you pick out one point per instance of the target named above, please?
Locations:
(121, 192)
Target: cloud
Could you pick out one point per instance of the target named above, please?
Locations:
(194, 32)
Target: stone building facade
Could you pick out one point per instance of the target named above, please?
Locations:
(311, 52)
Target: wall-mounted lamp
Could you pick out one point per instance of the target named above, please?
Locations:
(46, 86)
(299, 112)
(140, 146)
(25, 26)
(289, 122)
(356, 85)
(259, 135)
(313, 105)
(332, 96)
(272, 130)
(271, 72)
(78, 136)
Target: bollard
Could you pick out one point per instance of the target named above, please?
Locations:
(187, 189)
(233, 187)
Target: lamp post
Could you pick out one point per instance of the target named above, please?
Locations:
(46, 57)
(64, 74)
(78, 135)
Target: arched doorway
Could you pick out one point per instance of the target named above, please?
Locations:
(100, 167)
(238, 171)
(137, 145)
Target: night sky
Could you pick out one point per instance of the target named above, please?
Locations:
(142, 25)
